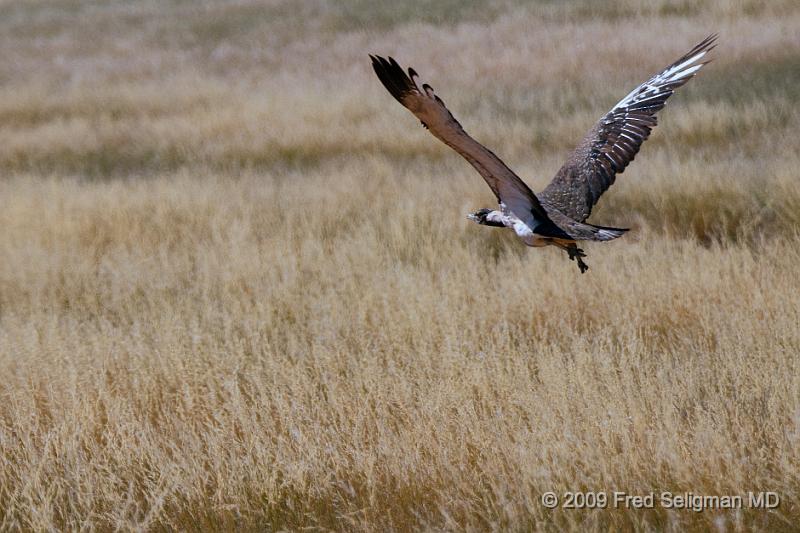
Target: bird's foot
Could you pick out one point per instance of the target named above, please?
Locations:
(582, 266)
(576, 254)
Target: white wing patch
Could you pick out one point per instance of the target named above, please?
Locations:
(662, 82)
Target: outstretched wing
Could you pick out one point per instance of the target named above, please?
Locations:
(431, 111)
(614, 141)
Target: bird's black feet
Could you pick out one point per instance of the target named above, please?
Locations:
(576, 254)
(583, 266)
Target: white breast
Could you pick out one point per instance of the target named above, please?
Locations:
(527, 235)
(523, 230)
(520, 228)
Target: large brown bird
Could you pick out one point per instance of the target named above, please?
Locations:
(558, 215)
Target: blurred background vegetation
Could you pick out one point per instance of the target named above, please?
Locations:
(102, 90)
(238, 290)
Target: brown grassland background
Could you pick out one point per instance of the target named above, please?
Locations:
(238, 288)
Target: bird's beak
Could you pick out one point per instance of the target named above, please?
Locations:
(472, 217)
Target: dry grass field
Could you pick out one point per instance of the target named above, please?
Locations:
(238, 289)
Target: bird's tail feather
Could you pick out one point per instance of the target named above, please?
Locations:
(603, 233)
(572, 230)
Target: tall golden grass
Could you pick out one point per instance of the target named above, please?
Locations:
(238, 291)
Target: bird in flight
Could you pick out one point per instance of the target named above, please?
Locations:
(557, 216)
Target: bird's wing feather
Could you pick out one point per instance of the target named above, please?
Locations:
(434, 115)
(615, 140)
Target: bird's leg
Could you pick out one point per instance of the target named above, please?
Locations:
(576, 254)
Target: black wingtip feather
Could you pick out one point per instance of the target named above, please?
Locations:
(392, 76)
(706, 45)
(383, 69)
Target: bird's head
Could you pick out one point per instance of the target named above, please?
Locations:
(479, 216)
